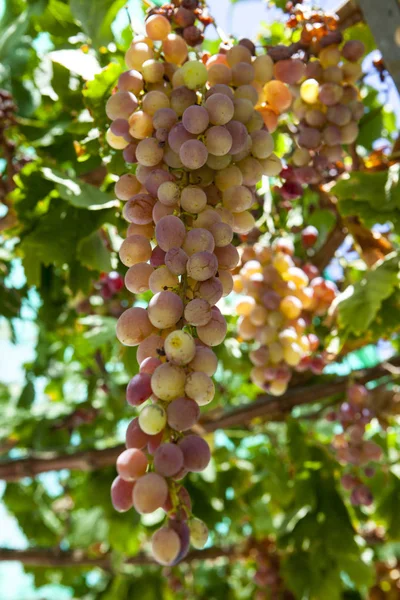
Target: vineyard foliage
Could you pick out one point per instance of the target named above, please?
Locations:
(293, 511)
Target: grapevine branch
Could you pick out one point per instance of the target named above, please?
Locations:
(265, 407)
(54, 557)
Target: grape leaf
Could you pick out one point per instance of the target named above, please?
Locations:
(98, 90)
(360, 303)
(96, 18)
(372, 196)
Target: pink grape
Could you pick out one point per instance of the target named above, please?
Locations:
(168, 459)
(196, 453)
(121, 494)
(165, 309)
(132, 464)
(150, 492)
(183, 413)
(133, 326)
(170, 232)
(139, 389)
(165, 545)
(198, 312)
(134, 436)
(214, 332)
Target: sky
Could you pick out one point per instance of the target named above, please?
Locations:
(243, 20)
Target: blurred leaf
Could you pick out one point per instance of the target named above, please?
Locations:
(97, 18)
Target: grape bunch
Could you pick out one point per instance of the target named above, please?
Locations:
(200, 148)
(351, 447)
(327, 106)
(276, 309)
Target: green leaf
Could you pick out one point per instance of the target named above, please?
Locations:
(359, 304)
(96, 18)
(97, 92)
(373, 196)
(87, 527)
(27, 395)
(77, 192)
(388, 509)
(93, 254)
(55, 237)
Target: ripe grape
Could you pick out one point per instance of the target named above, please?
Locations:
(168, 460)
(135, 437)
(121, 494)
(195, 119)
(198, 312)
(220, 109)
(193, 199)
(196, 453)
(165, 309)
(135, 249)
(139, 389)
(162, 279)
(202, 265)
(157, 27)
(193, 154)
(121, 105)
(133, 326)
(199, 387)
(170, 232)
(168, 382)
(132, 464)
(179, 347)
(165, 545)
(176, 260)
(198, 533)
(150, 492)
(182, 414)
(214, 332)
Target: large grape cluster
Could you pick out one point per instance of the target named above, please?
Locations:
(352, 447)
(276, 309)
(327, 103)
(200, 148)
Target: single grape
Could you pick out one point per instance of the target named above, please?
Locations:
(202, 265)
(168, 460)
(165, 309)
(135, 249)
(150, 492)
(199, 387)
(133, 326)
(195, 119)
(214, 332)
(152, 419)
(170, 232)
(193, 154)
(196, 453)
(198, 533)
(218, 140)
(176, 260)
(138, 389)
(168, 382)
(165, 545)
(179, 347)
(182, 414)
(121, 494)
(121, 105)
(220, 109)
(132, 464)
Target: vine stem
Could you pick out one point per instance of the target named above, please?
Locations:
(266, 407)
